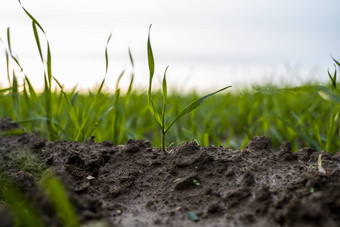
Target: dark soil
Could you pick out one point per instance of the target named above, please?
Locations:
(137, 185)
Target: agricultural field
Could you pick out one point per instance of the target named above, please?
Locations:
(266, 155)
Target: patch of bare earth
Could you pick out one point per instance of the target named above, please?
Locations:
(137, 185)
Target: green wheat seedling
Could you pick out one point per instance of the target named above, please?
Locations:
(47, 73)
(333, 78)
(160, 118)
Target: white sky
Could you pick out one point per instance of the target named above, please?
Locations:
(208, 44)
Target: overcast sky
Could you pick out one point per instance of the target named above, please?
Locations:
(206, 43)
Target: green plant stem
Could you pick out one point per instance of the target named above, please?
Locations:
(163, 142)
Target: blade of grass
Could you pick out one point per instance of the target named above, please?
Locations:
(37, 40)
(7, 61)
(336, 62)
(48, 108)
(58, 196)
(193, 106)
(48, 77)
(165, 94)
(71, 110)
(7, 66)
(331, 132)
(15, 97)
(115, 117)
(116, 112)
(32, 18)
(33, 94)
(99, 91)
(49, 67)
(126, 103)
(131, 59)
(26, 97)
(3, 90)
(151, 64)
(300, 133)
(13, 132)
(106, 54)
(9, 41)
(10, 50)
(333, 78)
(99, 120)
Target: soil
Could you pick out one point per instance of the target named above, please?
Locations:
(137, 185)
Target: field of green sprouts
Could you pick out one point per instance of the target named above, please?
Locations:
(305, 116)
(301, 116)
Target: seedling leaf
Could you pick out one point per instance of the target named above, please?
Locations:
(106, 54)
(151, 64)
(37, 40)
(193, 106)
(192, 216)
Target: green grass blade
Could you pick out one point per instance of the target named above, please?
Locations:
(11, 52)
(48, 108)
(93, 104)
(32, 18)
(151, 64)
(165, 95)
(329, 95)
(71, 110)
(99, 120)
(17, 62)
(100, 88)
(49, 65)
(151, 61)
(129, 91)
(300, 133)
(336, 62)
(126, 102)
(33, 94)
(131, 59)
(37, 40)
(58, 196)
(116, 113)
(3, 90)
(276, 134)
(9, 41)
(115, 117)
(331, 131)
(7, 61)
(193, 106)
(43, 119)
(316, 130)
(7, 66)
(26, 97)
(74, 97)
(13, 132)
(15, 96)
(119, 78)
(106, 54)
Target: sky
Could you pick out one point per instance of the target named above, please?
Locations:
(207, 44)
